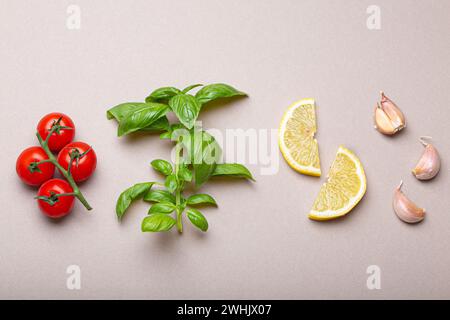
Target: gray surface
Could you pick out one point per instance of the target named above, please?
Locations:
(260, 243)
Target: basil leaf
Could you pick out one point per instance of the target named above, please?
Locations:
(205, 154)
(141, 117)
(120, 111)
(197, 219)
(186, 108)
(166, 135)
(162, 94)
(130, 194)
(216, 91)
(184, 173)
(171, 183)
(235, 170)
(189, 88)
(162, 207)
(201, 198)
(171, 131)
(157, 222)
(162, 166)
(159, 196)
(161, 124)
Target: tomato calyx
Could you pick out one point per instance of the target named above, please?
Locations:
(54, 197)
(57, 127)
(75, 156)
(34, 166)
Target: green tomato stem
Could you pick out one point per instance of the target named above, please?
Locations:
(43, 161)
(51, 157)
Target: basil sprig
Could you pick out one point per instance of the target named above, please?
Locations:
(198, 155)
(129, 195)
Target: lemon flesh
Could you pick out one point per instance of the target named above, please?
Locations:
(296, 140)
(345, 187)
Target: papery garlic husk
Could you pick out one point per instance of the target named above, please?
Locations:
(388, 118)
(405, 209)
(429, 164)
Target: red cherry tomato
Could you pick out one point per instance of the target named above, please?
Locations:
(29, 171)
(61, 136)
(83, 163)
(55, 206)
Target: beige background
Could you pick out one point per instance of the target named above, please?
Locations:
(260, 243)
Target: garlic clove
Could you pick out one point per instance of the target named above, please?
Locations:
(382, 122)
(429, 163)
(393, 112)
(389, 119)
(405, 209)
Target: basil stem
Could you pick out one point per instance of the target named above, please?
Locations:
(178, 190)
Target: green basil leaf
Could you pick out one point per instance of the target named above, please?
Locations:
(172, 132)
(177, 126)
(184, 173)
(189, 88)
(165, 135)
(186, 108)
(201, 198)
(141, 117)
(197, 219)
(129, 195)
(162, 207)
(162, 94)
(161, 124)
(205, 154)
(235, 170)
(157, 222)
(203, 172)
(171, 183)
(216, 91)
(120, 111)
(159, 196)
(162, 166)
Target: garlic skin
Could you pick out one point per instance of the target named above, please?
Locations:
(429, 164)
(405, 209)
(388, 118)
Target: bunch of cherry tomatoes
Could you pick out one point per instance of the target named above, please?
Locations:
(75, 161)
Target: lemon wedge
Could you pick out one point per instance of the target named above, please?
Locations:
(345, 187)
(296, 138)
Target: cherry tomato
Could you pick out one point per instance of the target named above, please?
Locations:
(29, 171)
(55, 206)
(83, 163)
(61, 136)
